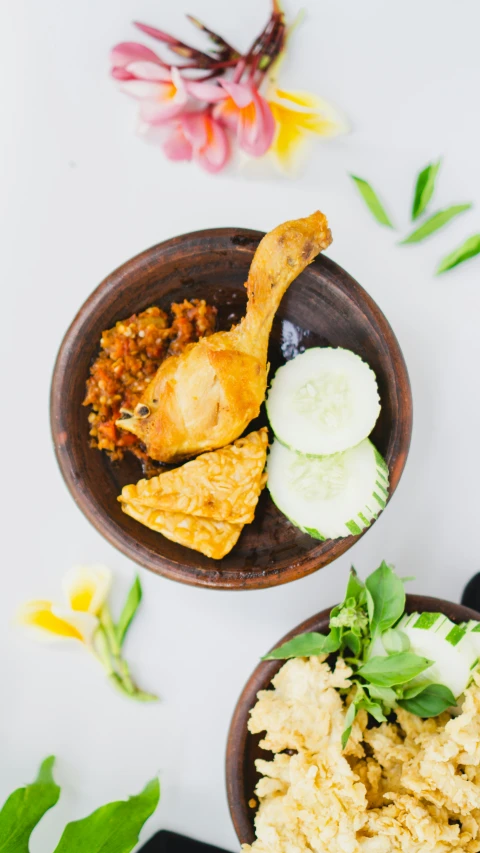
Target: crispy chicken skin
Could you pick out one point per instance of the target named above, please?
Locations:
(205, 398)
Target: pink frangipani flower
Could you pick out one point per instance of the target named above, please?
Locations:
(248, 115)
(162, 92)
(198, 136)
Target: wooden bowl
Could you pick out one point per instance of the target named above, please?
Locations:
(324, 306)
(243, 748)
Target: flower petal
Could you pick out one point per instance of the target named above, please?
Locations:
(131, 51)
(144, 70)
(158, 112)
(86, 588)
(216, 152)
(241, 94)
(256, 127)
(47, 623)
(209, 92)
(144, 89)
(227, 113)
(177, 146)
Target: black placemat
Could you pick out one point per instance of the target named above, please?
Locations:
(170, 842)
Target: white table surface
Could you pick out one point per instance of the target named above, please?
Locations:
(81, 194)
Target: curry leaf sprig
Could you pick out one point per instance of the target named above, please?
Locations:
(363, 625)
(110, 829)
(423, 193)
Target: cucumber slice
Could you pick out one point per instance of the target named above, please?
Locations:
(434, 636)
(328, 496)
(323, 401)
(473, 632)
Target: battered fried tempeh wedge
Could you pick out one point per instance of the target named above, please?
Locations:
(213, 538)
(223, 485)
(205, 398)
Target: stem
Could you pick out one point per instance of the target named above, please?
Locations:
(120, 664)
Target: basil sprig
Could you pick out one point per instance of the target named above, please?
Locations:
(111, 829)
(362, 627)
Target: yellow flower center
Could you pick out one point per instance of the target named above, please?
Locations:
(49, 622)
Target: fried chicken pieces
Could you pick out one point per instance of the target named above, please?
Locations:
(204, 398)
(205, 503)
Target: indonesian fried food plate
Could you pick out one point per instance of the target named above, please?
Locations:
(205, 503)
(130, 355)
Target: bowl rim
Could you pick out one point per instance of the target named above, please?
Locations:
(139, 552)
(261, 677)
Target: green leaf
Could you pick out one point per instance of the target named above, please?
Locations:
(352, 642)
(384, 694)
(25, 808)
(129, 609)
(424, 188)
(111, 829)
(385, 598)
(349, 720)
(372, 708)
(468, 249)
(394, 669)
(355, 587)
(438, 220)
(372, 201)
(395, 640)
(306, 645)
(428, 701)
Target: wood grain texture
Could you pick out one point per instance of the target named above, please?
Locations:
(243, 748)
(323, 307)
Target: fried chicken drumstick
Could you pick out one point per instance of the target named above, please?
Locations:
(204, 398)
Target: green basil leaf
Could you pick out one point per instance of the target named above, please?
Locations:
(438, 220)
(351, 641)
(372, 201)
(111, 829)
(130, 607)
(424, 188)
(349, 720)
(468, 249)
(384, 694)
(429, 701)
(25, 808)
(394, 669)
(355, 587)
(306, 645)
(372, 708)
(395, 640)
(385, 598)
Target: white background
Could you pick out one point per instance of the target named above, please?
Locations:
(80, 194)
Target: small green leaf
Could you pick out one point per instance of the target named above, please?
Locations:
(384, 694)
(395, 640)
(372, 708)
(372, 201)
(24, 809)
(429, 701)
(394, 669)
(130, 607)
(349, 720)
(306, 645)
(424, 188)
(352, 642)
(385, 598)
(438, 220)
(111, 829)
(468, 249)
(355, 587)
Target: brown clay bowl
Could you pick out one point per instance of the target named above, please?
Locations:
(324, 306)
(243, 748)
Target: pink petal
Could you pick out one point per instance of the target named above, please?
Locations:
(177, 147)
(143, 89)
(256, 137)
(224, 113)
(209, 92)
(193, 125)
(131, 51)
(119, 73)
(241, 94)
(149, 71)
(157, 112)
(215, 154)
